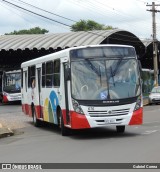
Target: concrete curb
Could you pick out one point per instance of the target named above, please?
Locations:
(145, 101)
(5, 132)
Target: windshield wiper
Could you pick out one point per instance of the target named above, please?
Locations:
(108, 96)
(117, 66)
(100, 75)
(92, 67)
(112, 75)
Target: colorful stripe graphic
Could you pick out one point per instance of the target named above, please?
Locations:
(50, 106)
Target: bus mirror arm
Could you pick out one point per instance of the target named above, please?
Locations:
(67, 74)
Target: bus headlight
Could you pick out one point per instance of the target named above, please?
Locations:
(5, 94)
(77, 108)
(138, 103)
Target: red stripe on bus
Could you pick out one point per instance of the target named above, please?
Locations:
(78, 121)
(25, 108)
(137, 117)
(5, 99)
(39, 111)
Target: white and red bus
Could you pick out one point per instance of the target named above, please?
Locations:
(84, 87)
(11, 86)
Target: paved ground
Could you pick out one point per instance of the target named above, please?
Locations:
(9, 123)
(139, 144)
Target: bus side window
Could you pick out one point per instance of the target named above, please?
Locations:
(32, 77)
(49, 74)
(56, 74)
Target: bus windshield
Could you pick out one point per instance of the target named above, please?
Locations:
(105, 79)
(12, 82)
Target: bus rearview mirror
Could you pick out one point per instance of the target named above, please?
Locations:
(67, 74)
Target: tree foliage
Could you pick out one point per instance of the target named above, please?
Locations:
(86, 25)
(35, 30)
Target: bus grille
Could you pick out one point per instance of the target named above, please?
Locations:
(106, 113)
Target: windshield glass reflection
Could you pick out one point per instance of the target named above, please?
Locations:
(104, 79)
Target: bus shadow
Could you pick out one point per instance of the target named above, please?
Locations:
(11, 103)
(100, 133)
(95, 133)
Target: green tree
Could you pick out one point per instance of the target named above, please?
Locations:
(35, 30)
(86, 25)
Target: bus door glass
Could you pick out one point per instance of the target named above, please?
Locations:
(39, 82)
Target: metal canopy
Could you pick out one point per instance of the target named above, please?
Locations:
(16, 49)
(60, 40)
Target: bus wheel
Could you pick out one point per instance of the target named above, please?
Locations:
(36, 122)
(120, 129)
(64, 130)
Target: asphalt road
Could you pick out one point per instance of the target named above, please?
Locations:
(139, 144)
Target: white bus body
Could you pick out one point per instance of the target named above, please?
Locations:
(84, 87)
(11, 86)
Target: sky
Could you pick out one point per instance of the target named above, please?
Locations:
(129, 15)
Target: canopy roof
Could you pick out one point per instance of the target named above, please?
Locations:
(62, 40)
(15, 49)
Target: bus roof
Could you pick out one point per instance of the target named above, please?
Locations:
(65, 53)
(12, 71)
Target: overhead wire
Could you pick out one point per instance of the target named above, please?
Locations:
(147, 25)
(45, 11)
(60, 22)
(67, 18)
(10, 9)
(122, 13)
(44, 16)
(48, 18)
(102, 6)
(97, 8)
(28, 13)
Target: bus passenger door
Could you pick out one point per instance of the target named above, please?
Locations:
(66, 87)
(24, 88)
(39, 91)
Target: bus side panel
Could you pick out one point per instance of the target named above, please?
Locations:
(38, 111)
(25, 109)
(50, 102)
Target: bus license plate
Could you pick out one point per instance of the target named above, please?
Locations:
(109, 121)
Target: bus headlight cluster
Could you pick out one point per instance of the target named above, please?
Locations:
(77, 108)
(5, 94)
(138, 103)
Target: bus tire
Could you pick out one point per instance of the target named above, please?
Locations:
(36, 122)
(64, 130)
(120, 129)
